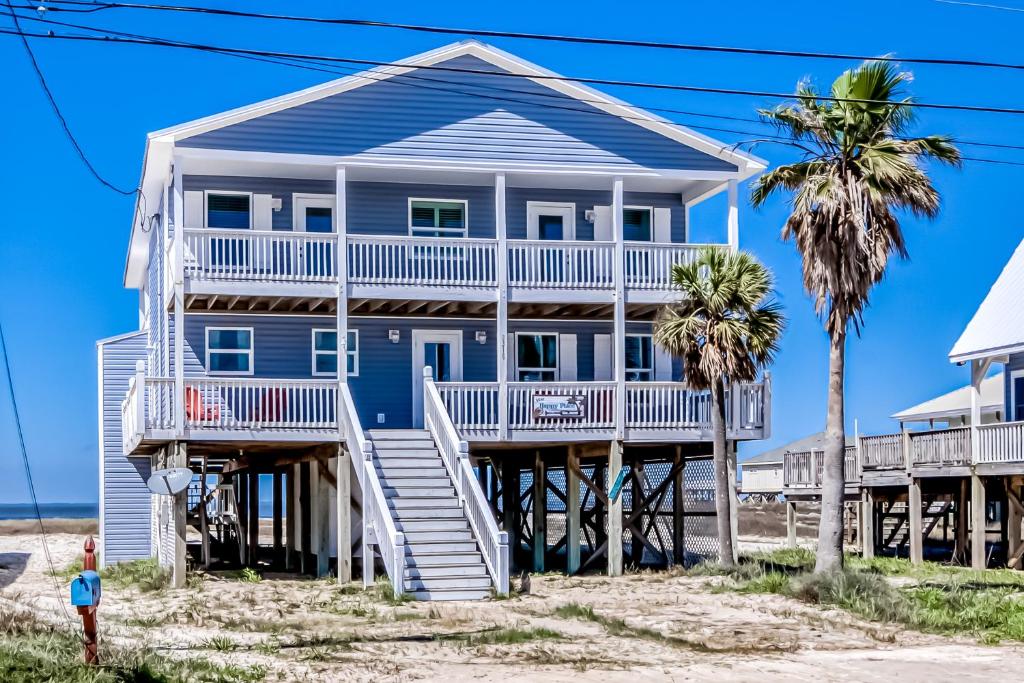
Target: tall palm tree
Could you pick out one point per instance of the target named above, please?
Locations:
(725, 326)
(859, 168)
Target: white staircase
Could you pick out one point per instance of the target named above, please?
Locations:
(442, 558)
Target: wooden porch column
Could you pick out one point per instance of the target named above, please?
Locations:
(343, 477)
(960, 532)
(278, 512)
(242, 510)
(619, 342)
(178, 270)
(253, 556)
(323, 519)
(978, 522)
(614, 510)
(734, 496)
(678, 510)
(180, 459)
(791, 523)
(636, 546)
(1013, 522)
(540, 512)
(914, 510)
(289, 518)
(306, 518)
(572, 512)
(867, 524)
(502, 350)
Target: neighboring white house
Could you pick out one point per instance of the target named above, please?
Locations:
(954, 408)
(762, 474)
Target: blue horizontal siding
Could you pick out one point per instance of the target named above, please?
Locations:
(459, 117)
(124, 495)
(378, 208)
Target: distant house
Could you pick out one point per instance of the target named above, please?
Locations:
(763, 475)
(954, 409)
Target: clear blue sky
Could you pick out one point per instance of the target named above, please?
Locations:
(63, 247)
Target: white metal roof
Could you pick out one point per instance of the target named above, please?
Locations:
(813, 442)
(956, 403)
(997, 327)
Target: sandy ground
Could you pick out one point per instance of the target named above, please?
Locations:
(676, 629)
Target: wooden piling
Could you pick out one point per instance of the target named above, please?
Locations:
(540, 512)
(916, 528)
(253, 556)
(978, 523)
(572, 512)
(614, 511)
(278, 514)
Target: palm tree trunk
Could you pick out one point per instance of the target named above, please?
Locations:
(723, 494)
(830, 530)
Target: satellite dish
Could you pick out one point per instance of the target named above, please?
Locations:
(169, 482)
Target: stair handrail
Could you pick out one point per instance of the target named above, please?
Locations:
(378, 526)
(455, 455)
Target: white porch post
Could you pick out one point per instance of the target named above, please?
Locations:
(734, 215)
(978, 369)
(619, 344)
(179, 300)
(343, 494)
(341, 267)
(502, 317)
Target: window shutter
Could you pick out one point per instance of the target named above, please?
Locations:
(603, 224)
(567, 357)
(195, 215)
(662, 364)
(510, 356)
(262, 212)
(602, 357)
(663, 225)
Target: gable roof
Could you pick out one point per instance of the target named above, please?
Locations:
(997, 327)
(956, 403)
(813, 442)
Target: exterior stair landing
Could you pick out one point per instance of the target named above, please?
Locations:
(443, 561)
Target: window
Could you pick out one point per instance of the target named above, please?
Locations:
(636, 224)
(536, 357)
(1016, 396)
(230, 210)
(325, 353)
(437, 218)
(229, 350)
(639, 358)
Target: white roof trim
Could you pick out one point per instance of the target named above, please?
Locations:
(997, 327)
(119, 337)
(956, 403)
(747, 163)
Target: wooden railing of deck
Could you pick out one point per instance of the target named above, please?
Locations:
(1001, 442)
(883, 452)
(940, 448)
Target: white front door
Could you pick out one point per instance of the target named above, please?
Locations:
(550, 221)
(314, 213)
(441, 350)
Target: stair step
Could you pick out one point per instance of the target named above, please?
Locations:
(399, 434)
(414, 462)
(415, 482)
(451, 594)
(389, 454)
(393, 445)
(438, 547)
(412, 514)
(446, 570)
(419, 492)
(447, 583)
(457, 524)
(409, 502)
(430, 561)
(444, 536)
(424, 470)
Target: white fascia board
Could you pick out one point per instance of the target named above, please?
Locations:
(747, 164)
(156, 165)
(995, 353)
(119, 337)
(944, 414)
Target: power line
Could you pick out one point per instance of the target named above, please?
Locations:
(56, 109)
(518, 75)
(553, 95)
(521, 35)
(982, 5)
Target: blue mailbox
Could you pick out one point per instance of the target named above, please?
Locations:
(85, 589)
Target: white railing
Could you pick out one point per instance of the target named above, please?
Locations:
(884, 452)
(250, 403)
(430, 261)
(944, 447)
(455, 453)
(148, 405)
(352, 433)
(747, 405)
(569, 265)
(133, 416)
(649, 265)
(666, 405)
(380, 530)
(805, 469)
(260, 255)
(597, 412)
(473, 406)
(1001, 442)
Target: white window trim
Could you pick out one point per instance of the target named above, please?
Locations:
(650, 213)
(650, 370)
(348, 352)
(519, 369)
(249, 352)
(1014, 374)
(465, 214)
(296, 196)
(206, 207)
(533, 213)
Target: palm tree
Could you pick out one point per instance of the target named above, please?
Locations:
(724, 327)
(858, 169)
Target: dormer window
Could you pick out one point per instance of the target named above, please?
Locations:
(229, 210)
(437, 218)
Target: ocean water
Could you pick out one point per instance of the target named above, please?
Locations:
(50, 510)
